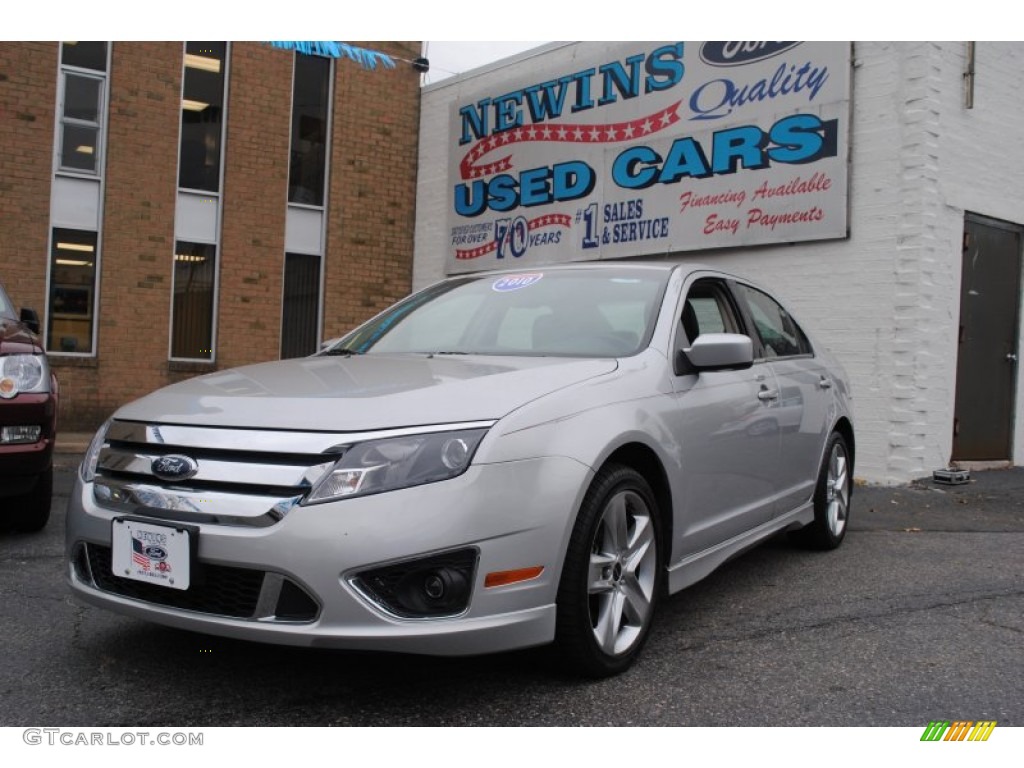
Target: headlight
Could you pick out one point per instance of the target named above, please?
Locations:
(23, 373)
(92, 454)
(397, 462)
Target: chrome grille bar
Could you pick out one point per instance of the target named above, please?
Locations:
(254, 472)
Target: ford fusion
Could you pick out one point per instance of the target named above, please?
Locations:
(498, 461)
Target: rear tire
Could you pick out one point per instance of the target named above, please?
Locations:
(831, 497)
(612, 575)
(32, 510)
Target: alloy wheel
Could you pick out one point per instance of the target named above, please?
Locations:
(622, 573)
(838, 490)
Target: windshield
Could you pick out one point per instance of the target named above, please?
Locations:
(6, 310)
(576, 313)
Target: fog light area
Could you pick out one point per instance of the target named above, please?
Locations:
(430, 587)
(21, 434)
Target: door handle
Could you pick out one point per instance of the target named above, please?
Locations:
(824, 383)
(1011, 357)
(766, 395)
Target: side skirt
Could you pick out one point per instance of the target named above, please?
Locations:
(697, 566)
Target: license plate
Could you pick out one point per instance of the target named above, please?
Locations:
(155, 554)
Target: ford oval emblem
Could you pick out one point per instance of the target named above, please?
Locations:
(174, 467)
(736, 52)
(153, 552)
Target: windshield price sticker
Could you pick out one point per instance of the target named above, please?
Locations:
(155, 554)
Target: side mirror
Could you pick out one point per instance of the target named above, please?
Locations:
(31, 319)
(719, 352)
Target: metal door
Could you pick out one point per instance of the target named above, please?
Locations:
(986, 374)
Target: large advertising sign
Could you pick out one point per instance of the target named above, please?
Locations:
(637, 149)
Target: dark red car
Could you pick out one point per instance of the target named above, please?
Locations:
(28, 421)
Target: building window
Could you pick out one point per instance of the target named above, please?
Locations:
(202, 116)
(83, 80)
(85, 55)
(72, 291)
(311, 94)
(195, 269)
(300, 315)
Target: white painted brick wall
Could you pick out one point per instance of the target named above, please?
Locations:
(886, 300)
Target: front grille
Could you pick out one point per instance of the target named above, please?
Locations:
(216, 589)
(222, 590)
(210, 475)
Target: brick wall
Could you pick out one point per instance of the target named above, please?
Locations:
(255, 199)
(137, 239)
(369, 222)
(372, 189)
(28, 88)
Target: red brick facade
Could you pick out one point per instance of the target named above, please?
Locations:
(370, 207)
(28, 91)
(369, 236)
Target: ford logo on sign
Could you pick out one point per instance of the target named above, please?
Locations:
(154, 552)
(174, 467)
(736, 52)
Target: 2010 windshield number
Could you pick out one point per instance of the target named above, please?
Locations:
(511, 236)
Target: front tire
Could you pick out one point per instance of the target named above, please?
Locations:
(32, 511)
(612, 574)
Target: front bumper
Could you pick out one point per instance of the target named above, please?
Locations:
(513, 514)
(22, 463)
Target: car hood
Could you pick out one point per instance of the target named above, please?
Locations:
(367, 392)
(15, 338)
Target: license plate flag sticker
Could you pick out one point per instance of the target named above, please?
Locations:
(138, 555)
(155, 554)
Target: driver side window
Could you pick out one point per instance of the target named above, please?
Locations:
(707, 309)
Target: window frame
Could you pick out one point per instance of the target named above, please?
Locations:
(198, 193)
(225, 94)
(213, 304)
(319, 261)
(93, 293)
(321, 209)
(328, 130)
(103, 109)
(97, 176)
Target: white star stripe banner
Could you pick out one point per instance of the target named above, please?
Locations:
(610, 150)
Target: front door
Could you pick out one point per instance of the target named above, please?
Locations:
(986, 374)
(727, 433)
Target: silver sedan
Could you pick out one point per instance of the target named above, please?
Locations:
(501, 460)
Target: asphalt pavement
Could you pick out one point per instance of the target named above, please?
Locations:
(917, 617)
